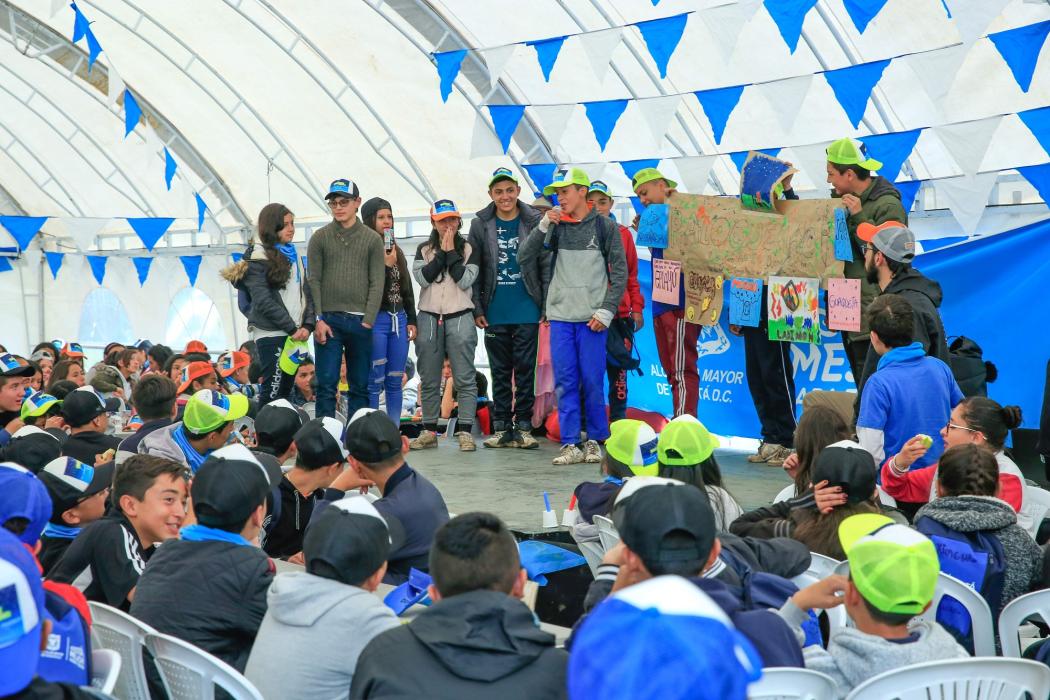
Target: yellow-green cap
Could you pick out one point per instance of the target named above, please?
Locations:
(851, 152)
(292, 355)
(565, 177)
(894, 567)
(685, 442)
(648, 175)
(208, 410)
(37, 404)
(633, 442)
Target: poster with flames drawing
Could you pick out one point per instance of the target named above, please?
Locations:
(794, 309)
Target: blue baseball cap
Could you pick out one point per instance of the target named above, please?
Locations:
(22, 495)
(599, 186)
(11, 367)
(670, 625)
(21, 615)
(343, 188)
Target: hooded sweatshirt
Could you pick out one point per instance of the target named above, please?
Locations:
(481, 644)
(853, 657)
(312, 635)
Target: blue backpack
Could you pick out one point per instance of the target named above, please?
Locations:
(66, 657)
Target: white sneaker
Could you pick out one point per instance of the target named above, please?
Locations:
(570, 454)
(592, 452)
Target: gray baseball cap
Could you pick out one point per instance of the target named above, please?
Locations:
(892, 239)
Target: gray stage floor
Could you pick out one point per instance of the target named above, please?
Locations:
(510, 482)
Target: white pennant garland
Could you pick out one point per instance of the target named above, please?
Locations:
(496, 61)
(658, 113)
(554, 119)
(973, 17)
(968, 142)
(84, 231)
(966, 197)
(936, 71)
(116, 87)
(483, 142)
(811, 161)
(57, 5)
(694, 172)
(786, 98)
(599, 47)
(727, 22)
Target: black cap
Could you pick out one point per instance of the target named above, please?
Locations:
(11, 367)
(319, 443)
(350, 540)
(279, 421)
(848, 465)
(646, 518)
(70, 481)
(85, 404)
(32, 448)
(372, 437)
(228, 487)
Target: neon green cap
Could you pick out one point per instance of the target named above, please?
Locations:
(648, 175)
(208, 410)
(851, 152)
(37, 404)
(894, 567)
(685, 442)
(565, 177)
(633, 443)
(292, 355)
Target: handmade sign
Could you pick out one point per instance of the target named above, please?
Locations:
(667, 281)
(703, 298)
(794, 313)
(652, 227)
(840, 232)
(759, 178)
(745, 302)
(844, 305)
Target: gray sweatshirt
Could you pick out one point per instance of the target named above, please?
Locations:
(853, 657)
(313, 632)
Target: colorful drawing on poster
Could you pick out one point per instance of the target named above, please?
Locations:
(844, 305)
(840, 233)
(667, 281)
(794, 312)
(703, 298)
(745, 301)
(759, 178)
(652, 227)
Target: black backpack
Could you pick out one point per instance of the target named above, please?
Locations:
(972, 373)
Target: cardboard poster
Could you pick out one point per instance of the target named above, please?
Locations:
(652, 227)
(703, 298)
(758, 179)
(745, 301)
(844, 305)
(794, 312)
(667, 281)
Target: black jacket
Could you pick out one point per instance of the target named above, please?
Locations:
(210, 594)
(267, 311)
(285, 536)
(482, 238)
(87, 445)
(481, 644)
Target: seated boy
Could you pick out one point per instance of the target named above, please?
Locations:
(197, 375)
(78, 498)
(207, 421)
(275, 427)
(233, 368)
(303, 649)
(893, 573)
(477, 640)
(209, 588)
(108, 556)
(87, 415)
(154, 403)
(32, 447)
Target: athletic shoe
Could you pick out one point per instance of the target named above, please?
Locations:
(766, 451)
(570, 454)
(592, 452)
(527, 442)
(778, 455)
(466, 441)
(426, 439)
(504, 438)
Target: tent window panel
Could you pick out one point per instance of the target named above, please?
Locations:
(193, 316)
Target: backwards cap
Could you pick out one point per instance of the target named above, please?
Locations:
(21, 606)
(685, 442)
(208, 410)
(894, 567)
(851, 152)
(633, 443)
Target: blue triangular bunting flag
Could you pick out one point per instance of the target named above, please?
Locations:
(237, 257)
(636, 202)
(5, 264)
(80, 23)
(603, 116)
(505, 119)
(789, 16)
(541, 174)
(23, 228)
(1020, 48)
(661, 38)
(132, 112)
(1039, 177)
(630, 167)
(448, 63)
(718, 104)
(863, 11)
(142, 267)
(739, 157)
(201, 208)
(891, 150)
(150, 230)
(192, 265)
(98, 266)
(547, 51)
(54, 261)
(853, 85)
(170, 166)
(1038, 122)
(94, 48)
(908, 191)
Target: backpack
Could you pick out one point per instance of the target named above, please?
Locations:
(972, 373)
(620, 349)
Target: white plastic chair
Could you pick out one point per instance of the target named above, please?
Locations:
(820, 567)
(1015, 613)
(963, 679)
(192, 674)
(105, 669)
(116, 630)
(791, 684)
(592, 551)
(1036, 505)
(606, 532)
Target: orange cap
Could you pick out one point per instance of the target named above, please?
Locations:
(194, 370)
(230, 362)
(195, 346)
(866, 232)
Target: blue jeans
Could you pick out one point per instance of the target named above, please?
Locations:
(578, 356)
(389, 355)
(354, 341)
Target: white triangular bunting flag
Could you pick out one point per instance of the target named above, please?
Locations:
(811, 160)
(599, 47)
(936, 70)
(725, 23)
(483, 142)
(116, 86)
(496, 60)
(786, 98)
(84, 231)
(658, 113)
(968, 142)
(553, 120)
(57, 5)
(695, 172)
(966, 197)
(972, 18)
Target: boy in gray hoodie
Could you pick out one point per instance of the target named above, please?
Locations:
(893, 573)
(318, 621)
